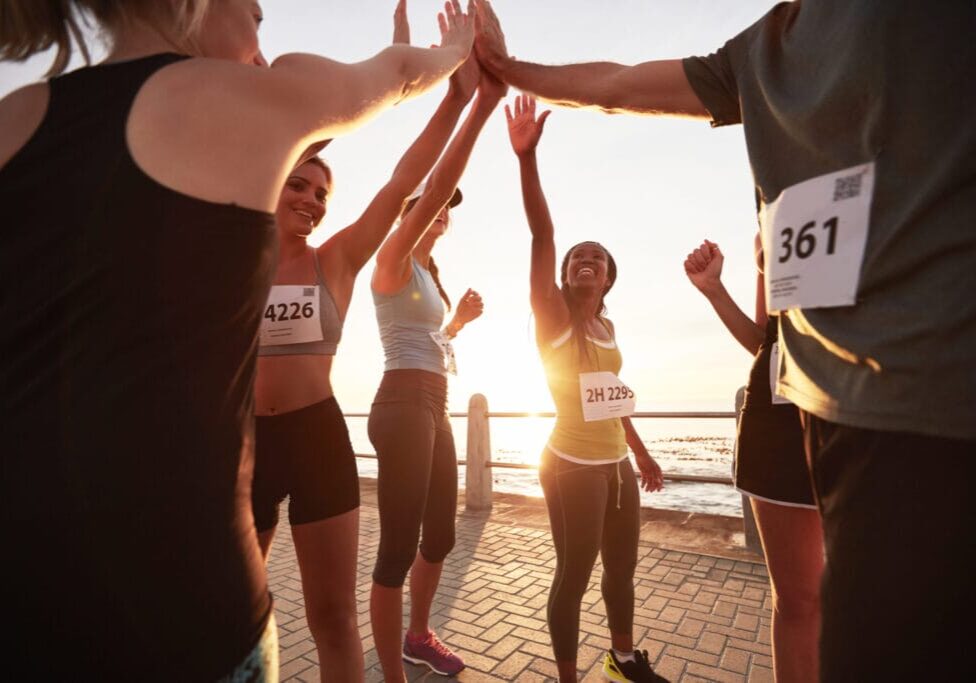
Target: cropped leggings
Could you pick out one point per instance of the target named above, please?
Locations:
(417, 483)
(592, 509)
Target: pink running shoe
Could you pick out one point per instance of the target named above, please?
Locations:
(430, 651)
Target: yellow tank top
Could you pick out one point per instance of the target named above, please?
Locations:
(601, 441)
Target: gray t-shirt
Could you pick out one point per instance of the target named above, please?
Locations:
(822, 86)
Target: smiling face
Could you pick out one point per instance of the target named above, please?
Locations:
(230, 31)
(302, 202)
(588, 266)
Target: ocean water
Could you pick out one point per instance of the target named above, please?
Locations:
(700, 446)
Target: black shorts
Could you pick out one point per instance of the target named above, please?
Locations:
(305, 455)
(770, 461)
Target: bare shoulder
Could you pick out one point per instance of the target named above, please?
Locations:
(21, 114)
(200, 127)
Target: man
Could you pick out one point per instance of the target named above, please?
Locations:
(858, 118)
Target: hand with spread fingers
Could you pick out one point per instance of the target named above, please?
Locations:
(457, 27)
(524, 129)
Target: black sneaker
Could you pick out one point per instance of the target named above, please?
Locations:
(637, 671)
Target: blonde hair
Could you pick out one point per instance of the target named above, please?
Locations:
(31, 26)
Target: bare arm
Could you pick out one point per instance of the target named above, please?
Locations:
(360, 240)
(393, 258)
(229, 133)
(704, 268)
(658, 87)
(524, 131)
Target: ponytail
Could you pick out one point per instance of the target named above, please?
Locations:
(432, 267)
(28, 27)
(31, 26)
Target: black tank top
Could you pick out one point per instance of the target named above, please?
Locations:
(128, 333)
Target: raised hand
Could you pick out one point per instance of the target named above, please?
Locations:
(491, 88)
(464, 81)
(470, 307)
(457, 28)
(490, 40)
(401, 27)
(524, 129)
(704, 267)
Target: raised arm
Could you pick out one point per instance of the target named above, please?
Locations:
(393, 258)
(658, 87)
(524, 131)
(357, 243)
(704, 268)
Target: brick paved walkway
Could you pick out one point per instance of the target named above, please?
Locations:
(701, 618)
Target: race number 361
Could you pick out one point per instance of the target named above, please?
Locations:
(604, 396)
(813, 239)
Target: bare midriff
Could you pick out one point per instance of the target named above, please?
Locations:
(287, 383)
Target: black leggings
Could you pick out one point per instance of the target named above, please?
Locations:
(418, 476)
(591, 509)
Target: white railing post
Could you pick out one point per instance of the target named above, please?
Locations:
(477, 494)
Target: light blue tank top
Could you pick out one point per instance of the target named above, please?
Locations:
(406, 320)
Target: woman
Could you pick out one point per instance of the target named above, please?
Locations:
(590, 488)
(408, 424)
(302, 446)
(771, 468)
(132, 316)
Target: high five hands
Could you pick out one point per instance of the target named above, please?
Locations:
(524, 129)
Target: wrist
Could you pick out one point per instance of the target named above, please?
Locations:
(713, 290)
(527, 156)
(453, 328)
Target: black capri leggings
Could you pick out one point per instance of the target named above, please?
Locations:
(592, 509)
(417, 483)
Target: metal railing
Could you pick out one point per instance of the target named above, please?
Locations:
(478, 465)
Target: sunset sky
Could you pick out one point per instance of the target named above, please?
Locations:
(648, 189)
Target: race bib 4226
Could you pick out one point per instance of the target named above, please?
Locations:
(813, 239)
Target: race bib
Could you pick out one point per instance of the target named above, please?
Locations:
(604, 396)
(291, 316)
(813, 239)
(774, 375)
(444, 343)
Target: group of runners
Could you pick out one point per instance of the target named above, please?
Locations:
(169, 333)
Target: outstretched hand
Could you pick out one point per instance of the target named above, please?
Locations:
(457, 27)
(524, 129)
(465, 79)
(490, 40)
(704, 267)
(401, 27)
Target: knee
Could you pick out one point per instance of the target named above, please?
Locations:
(435, 550)
(333, 623)
(392, 565)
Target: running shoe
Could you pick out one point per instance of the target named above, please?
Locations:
(431, 652)
(637, 671)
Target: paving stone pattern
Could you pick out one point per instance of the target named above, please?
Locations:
(700, 618)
